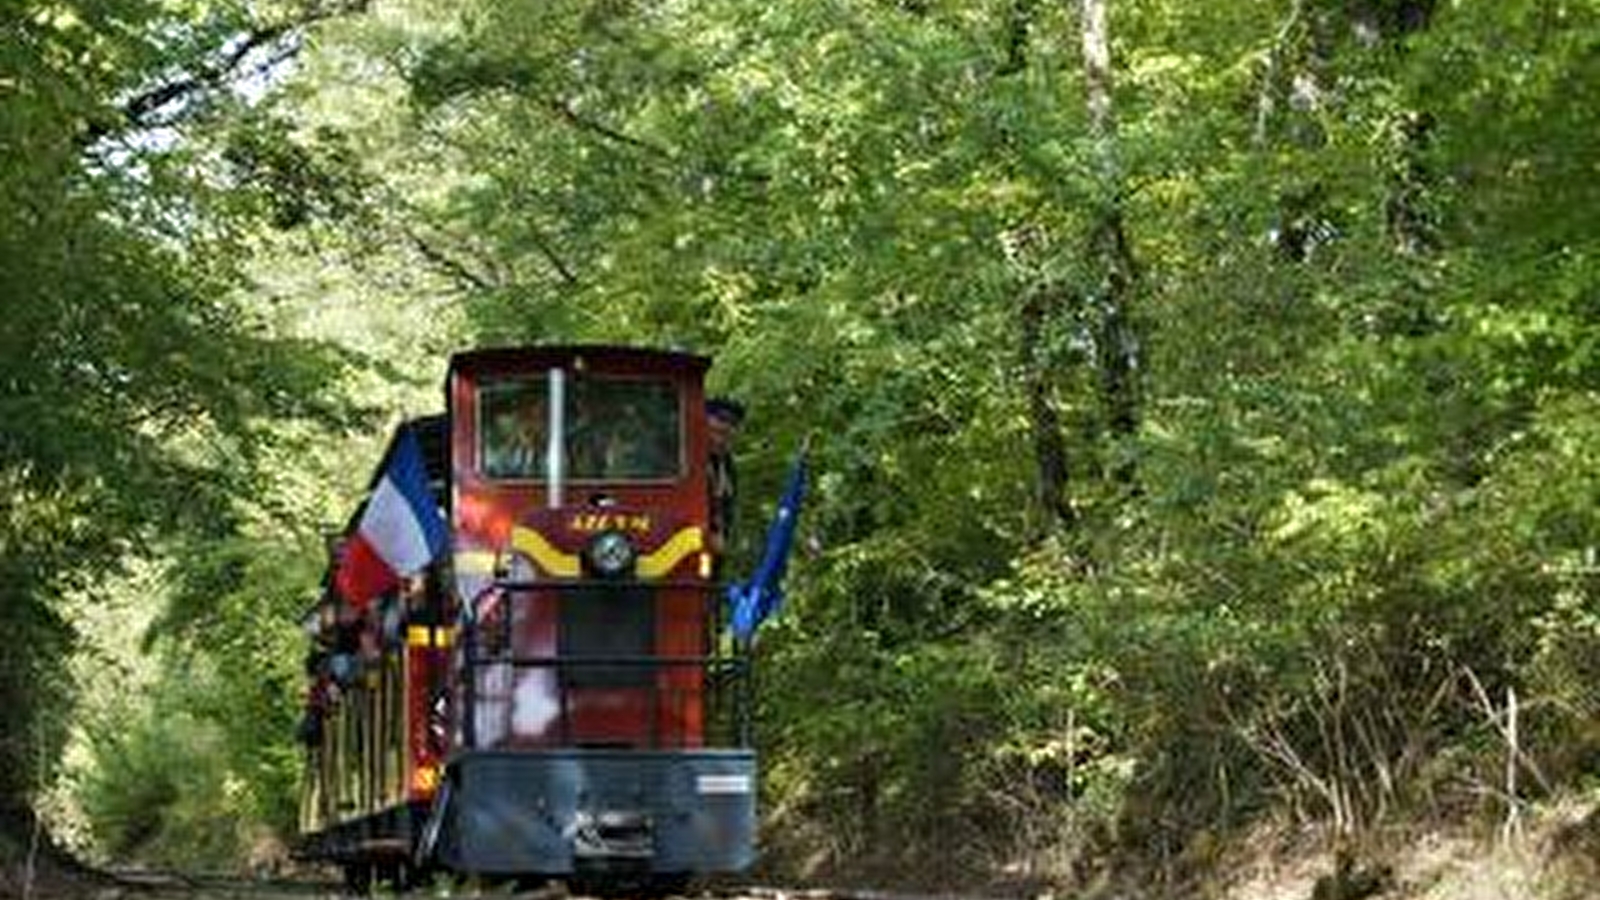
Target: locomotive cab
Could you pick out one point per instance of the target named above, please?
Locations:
(588, 680)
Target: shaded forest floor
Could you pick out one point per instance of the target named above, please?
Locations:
(40, 870)
(1551, 854)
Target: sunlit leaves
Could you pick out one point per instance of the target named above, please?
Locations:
(1367, 286)
(139, 387)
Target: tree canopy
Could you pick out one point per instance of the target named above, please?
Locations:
(1203, 398)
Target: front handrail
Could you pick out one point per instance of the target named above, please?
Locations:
(725, 668)
(567, 584)
(630, 660)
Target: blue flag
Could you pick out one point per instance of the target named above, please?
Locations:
(752, 602)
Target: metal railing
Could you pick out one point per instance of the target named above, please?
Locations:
(724, 689)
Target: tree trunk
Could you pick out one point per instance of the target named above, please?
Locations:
(1097, 78)
(1113, 270)
(1041, 309)
(1044, 420)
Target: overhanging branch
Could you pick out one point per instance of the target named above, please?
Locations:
(222, 66)
(563, 109)
(449, 264)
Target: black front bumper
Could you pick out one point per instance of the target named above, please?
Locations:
(571, 811)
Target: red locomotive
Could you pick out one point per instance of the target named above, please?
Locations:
(550, 694)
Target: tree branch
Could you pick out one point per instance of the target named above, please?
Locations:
(222, 67)
(450, 265)
(1265, 102)
(563, 110)
(555, 261)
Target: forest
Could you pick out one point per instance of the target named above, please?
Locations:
(1204, 398)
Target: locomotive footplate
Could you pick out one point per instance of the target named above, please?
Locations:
(563, 811)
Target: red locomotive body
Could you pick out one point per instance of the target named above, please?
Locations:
(548, 711)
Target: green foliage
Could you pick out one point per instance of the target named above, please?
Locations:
(232, 607)
(1361, 303)
(146, 809)
(138, 384)
(1364, 347)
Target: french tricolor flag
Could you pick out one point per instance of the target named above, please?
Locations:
(401, 531)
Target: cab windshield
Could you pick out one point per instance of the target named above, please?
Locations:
(616, 429)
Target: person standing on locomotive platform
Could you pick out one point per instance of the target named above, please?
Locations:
(722, 419)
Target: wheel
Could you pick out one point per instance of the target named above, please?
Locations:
(358, 878)
(415, 877)
(669, 885)
(397, 875)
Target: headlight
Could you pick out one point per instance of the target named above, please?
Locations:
(611, 554)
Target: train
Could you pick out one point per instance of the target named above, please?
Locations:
(519, 665)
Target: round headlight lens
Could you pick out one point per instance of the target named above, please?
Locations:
(611, 554)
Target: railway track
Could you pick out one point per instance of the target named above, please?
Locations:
(141, 882)
(131, 884)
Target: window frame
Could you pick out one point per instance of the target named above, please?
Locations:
(489, 384)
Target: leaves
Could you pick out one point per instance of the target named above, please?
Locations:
(1326, 290)
(137, 383)
(1358, 299)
